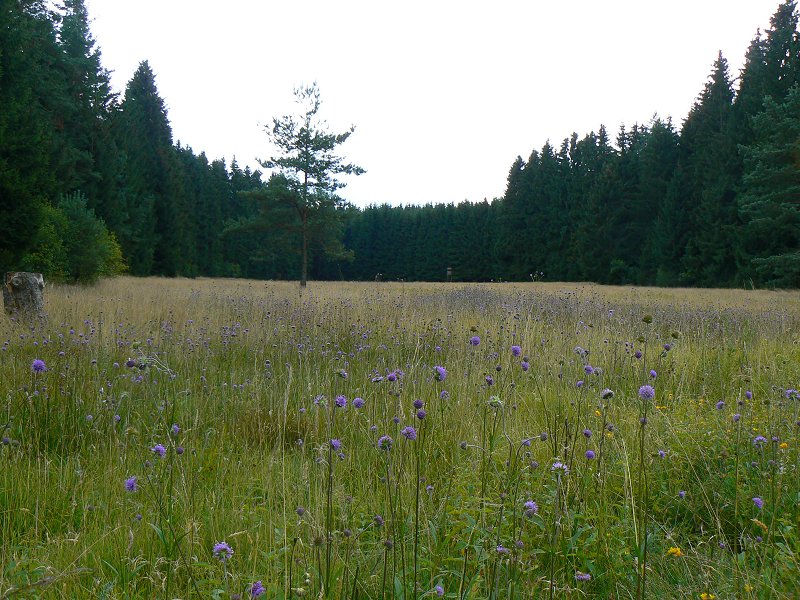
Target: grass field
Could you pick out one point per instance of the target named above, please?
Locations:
(220, 438)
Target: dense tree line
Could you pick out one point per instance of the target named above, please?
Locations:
(91, 183)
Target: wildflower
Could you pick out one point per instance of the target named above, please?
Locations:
(38, 365)
(222, 551)
(590, 454)
(175, 429)
(748, 394)
(516, 350)
(429, 488)
(439, 590)
(489, 380)
(581, 576)
(525, 365)
(707, 596)
(758, 502)
(682, 494)
(474, 340)
(421, 414)
(662, 453)
(179, 450)
(336, 444)
(257, 589)
(385, 443)
(418, 403)
(667, 347)
(646, 392)
(653, 374)
(444, 394)
(588, 369)
(341, 401)
(409, 432)
(674, 551)
(783, 445)
(531, 508)
(587, 433)
(736, 417)
(378, 520)
(392, 376)
(358, 402)
(501, 549)
(300, 511)
(606, 394)
(160, 450)
(440, 373)
(759, 440)
(131, 485)
(559, 466)
(638, 354)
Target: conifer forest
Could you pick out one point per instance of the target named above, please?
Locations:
(708, 200)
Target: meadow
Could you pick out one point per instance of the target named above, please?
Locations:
(167, 438)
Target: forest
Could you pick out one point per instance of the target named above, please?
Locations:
(92, 184)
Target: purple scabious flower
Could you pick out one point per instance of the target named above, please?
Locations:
(378, 520)
(720, 405)
(385, 442)
(336, 444)
(559, 466)
(418, 403)
(160, 450)
(444, 394)
(257, 589)
(736, 417)
(759, 440)
(590, 454)
(409, 432)
(222, 551)
(588, 369)
(579, 383)
(502, 549)
(439, 590)
(131, 485)
(392, 376)
(474, 340)
(607, 394)
(421, 414)
(341, 401)
(38, 366)
(489, 380)
(667, 347)
(638, 354)
(175, 429)
(358, 402)
(516, 350)
(525, 365)
(646, 392)
(748, 394)
(653, 374)
(581, 576)
(758, 502)
(587, 433)
(682, 494)
(531, 508)
(662, 454)
(440, 373)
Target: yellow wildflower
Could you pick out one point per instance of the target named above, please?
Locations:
(674, 551)
(597, 413)
(783, 446)
(707, 596)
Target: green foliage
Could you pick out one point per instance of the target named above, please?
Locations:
(73, 245)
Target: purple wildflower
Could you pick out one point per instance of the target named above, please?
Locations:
(474, 340)
(440, 373)
(222, 551)
(531, 508)
(758, 502)
(588, 369)
(341, 401)
(358, 402)
(385, 442)
(409, 432)
(175, 429)
(525, 365)
(439, 590)
(748, 394)
(581, 576)
(682, 494)
(257, 589)
(421, 414)
(378, 520)
(736, 417)
(336, 444)
(38, 366)
(502, 549)
(579, 383)
(759, 440)
(587, 433)
(638, 354)
(418, 403)
(646, 392)
(131, 485)
(489, 380)
(516, 350)
(160, 450)
(607, 394)
(720, 405)
(653, 374)
(662, 454)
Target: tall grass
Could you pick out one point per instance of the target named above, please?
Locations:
(553, 478)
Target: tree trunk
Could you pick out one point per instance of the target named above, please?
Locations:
(304, 268)
(23, 296)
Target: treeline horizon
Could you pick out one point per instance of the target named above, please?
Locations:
(92, 184)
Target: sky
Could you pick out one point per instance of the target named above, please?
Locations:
(444, 95)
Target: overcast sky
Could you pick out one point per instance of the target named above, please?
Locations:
(444, 94)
